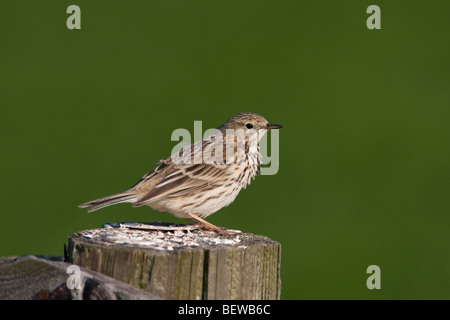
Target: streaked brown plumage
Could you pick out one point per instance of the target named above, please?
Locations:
(193, 187)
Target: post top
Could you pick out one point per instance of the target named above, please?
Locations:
(164, 236)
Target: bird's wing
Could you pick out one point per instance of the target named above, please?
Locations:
(183, 179)
(152, 178)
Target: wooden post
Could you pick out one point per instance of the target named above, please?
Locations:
(43, 278)
(181, 261)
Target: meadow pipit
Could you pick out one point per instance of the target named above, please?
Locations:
(203, 177)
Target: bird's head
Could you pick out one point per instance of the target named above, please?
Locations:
(249, 122)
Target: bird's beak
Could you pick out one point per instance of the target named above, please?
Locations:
(273, 126)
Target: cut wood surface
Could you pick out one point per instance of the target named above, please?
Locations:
(181, 261)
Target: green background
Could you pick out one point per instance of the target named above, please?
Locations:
(364, 152)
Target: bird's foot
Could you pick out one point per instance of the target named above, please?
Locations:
(203, 224)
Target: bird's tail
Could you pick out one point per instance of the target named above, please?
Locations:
(109, 201)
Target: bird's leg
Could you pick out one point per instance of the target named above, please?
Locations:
(207, 225)
(195, 222)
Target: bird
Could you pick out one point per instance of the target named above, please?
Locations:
(202, 177)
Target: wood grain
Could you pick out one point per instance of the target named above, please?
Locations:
(40, 278)
(182, 262)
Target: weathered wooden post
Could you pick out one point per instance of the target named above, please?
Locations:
(44, 278)
(181, 261)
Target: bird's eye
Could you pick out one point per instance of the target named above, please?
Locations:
(249, 125)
